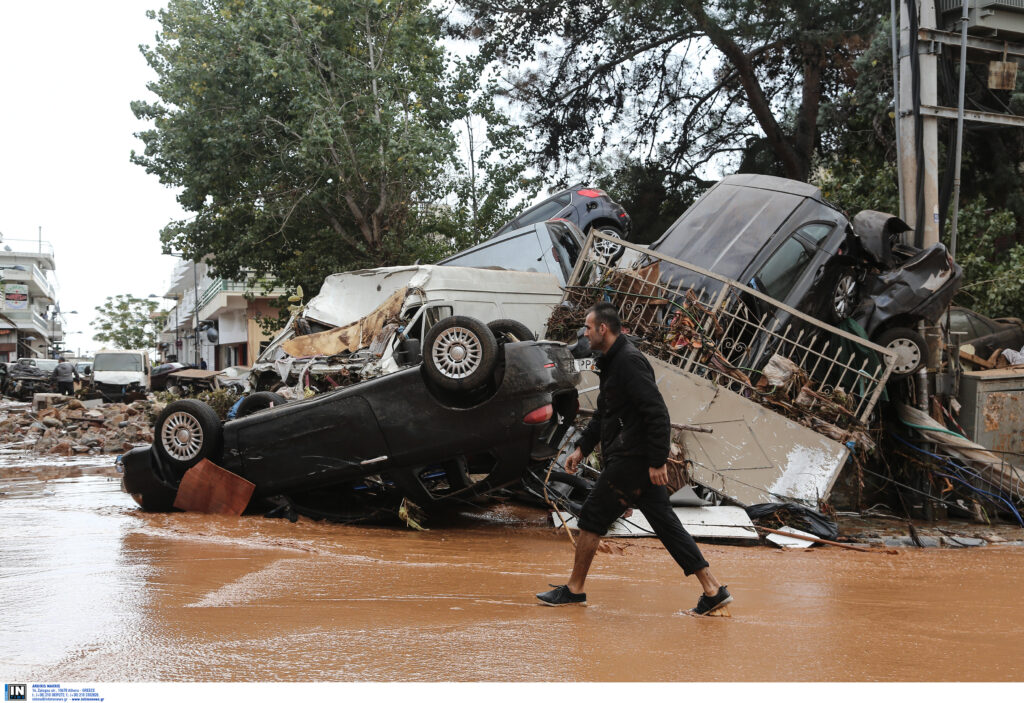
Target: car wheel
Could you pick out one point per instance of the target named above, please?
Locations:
(506, 331)
(186, 432)
(909, 346)
(610, 252)
(461, 353)
(258, 401)
(845, 295)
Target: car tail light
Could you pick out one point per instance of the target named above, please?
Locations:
(590, 193)
(554, 253)
(622, 215)
(540, 415)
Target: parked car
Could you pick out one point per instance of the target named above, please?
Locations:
(585, 207)
(28, 376)
(782, 238)
(985, 334)
(545, 247)
(467, 420)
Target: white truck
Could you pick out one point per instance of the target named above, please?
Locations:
(121, 374)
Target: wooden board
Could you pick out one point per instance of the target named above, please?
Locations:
(207, 488)
(718, 521)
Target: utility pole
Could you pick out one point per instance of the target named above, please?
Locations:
(919, 141)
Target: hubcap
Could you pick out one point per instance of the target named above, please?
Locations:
(182, 436)
(606, 249)
(908, 356)
(845, 296)
(457, 352)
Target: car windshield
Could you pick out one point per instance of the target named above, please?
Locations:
(117, 362)
(46, 364)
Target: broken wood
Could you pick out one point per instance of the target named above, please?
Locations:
(207, 488)
(977, 360)
(828, 541)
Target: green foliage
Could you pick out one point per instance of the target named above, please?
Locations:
(993, 262)
(306, 137)
(688, 84)
(127, 322)
(852, 184)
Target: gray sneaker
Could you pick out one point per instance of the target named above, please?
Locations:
(561, 595)
(708, 604)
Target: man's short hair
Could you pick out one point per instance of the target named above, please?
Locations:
(605, 313)
(62, 359)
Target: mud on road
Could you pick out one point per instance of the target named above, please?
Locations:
(95, 590)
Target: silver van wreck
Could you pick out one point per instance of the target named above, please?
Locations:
(371, 322)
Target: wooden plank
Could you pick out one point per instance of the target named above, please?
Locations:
(719, 521)
(207, 488)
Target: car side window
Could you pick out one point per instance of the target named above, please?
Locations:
(544, 211)
(981, 326)
(782, 270)
(816, 232)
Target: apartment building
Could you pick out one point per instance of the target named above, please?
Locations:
(30, 323)
(214, 320)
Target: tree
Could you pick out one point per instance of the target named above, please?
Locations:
(306, 137)
(681, 84)
(127, 322)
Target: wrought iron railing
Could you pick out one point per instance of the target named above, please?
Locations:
(734, 335)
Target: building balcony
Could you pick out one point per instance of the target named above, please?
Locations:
(30, 320)
(25, 251)
(222, 295)
(39, 285)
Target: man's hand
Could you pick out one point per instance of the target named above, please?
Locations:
(573, 461)
(659, 476)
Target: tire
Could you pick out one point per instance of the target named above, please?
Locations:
(258, 401)
(909, 346)
(186, 432)
(460, 353)
(844, 296)
(506, 331)
(609, 253)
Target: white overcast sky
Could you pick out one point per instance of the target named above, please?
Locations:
(68, 71)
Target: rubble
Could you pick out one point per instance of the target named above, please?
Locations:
(71, 428)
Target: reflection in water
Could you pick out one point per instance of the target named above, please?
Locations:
(94, 590)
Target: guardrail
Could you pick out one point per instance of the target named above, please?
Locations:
(732, 335)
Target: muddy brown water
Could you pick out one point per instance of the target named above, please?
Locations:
(91, 589)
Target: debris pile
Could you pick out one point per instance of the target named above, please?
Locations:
(665, 328)
(73, 428)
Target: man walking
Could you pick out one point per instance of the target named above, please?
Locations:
(66, 374)
(632, 424)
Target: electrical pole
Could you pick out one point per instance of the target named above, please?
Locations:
(919, 141)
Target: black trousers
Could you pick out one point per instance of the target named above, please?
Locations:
(626, 483)
(66, 387)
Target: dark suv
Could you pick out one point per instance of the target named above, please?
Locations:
(586, 208)
(782, 238)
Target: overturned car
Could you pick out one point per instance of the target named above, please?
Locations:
(470, 418)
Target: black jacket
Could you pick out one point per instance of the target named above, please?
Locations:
(631, 418)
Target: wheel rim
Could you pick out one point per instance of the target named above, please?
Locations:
(182, 436)
(604, 248)
(908, 355)
(457, 352)
(845, 296)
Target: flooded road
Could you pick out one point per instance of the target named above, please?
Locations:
(92, 589)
